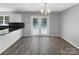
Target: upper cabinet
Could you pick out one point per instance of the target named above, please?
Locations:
(15, 18)
(5, 19)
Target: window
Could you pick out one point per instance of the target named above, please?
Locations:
(4, 20)
(1, 20)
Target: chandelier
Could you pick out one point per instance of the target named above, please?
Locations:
(45, 11)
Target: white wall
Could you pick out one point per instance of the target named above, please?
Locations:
(70, 25)
(53, 22)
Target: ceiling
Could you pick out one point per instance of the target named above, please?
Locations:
(34, 7)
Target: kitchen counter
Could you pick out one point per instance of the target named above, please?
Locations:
(9, 39)
(12, 27)
(4, 31)
(3, 27)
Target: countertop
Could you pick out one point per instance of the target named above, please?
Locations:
(12, 27)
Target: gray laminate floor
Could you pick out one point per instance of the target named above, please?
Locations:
(41, 46)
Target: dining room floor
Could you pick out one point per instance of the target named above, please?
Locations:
(41, 45)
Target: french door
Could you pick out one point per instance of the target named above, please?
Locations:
(40, 25)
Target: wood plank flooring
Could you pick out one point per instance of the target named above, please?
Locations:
(41, 46)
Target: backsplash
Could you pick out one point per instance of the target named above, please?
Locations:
(11, 27)
(15, 26)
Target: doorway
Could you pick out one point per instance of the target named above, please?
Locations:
(39, 25)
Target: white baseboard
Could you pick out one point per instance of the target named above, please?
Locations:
(69, 41)
(26, 35)
(41, 35)
(55, 35)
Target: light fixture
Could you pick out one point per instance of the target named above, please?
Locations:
(45, 11)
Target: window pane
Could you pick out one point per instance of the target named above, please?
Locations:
(44, 26)
(6, 22)
(35, 22)
(44, 22)
(1, 17)
(1, 22)
(35, 26)
(6, 17)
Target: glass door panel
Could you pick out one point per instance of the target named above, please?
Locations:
(44, 27)
(35, 27)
